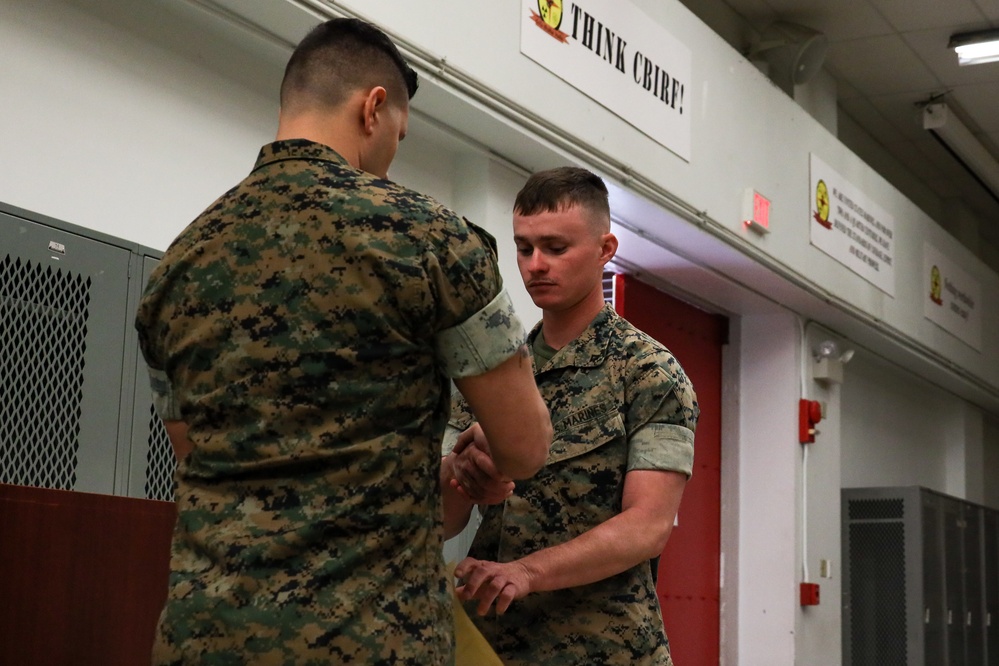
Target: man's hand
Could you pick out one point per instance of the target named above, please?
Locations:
(475, 475)
(492, 582)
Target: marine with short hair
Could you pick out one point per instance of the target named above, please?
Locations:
(561, 569)
(301, 335)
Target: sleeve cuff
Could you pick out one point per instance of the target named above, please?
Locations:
(481, 342)
(662, 446)
(163, 398)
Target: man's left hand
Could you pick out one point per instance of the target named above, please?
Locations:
(492, 582)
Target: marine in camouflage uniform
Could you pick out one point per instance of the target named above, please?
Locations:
(560, 570)
(304, 327)
(619, 402)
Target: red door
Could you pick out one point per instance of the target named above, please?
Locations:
(689, 569)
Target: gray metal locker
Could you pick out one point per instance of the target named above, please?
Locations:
(919, 578)
(953, 516)
(974, 586)
(69, 368)
(934, 603)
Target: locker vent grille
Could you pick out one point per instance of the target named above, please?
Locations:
(160, 461)
(43, 334)
(876, 509)
(877, 591)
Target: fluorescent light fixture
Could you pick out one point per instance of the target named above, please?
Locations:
(976, 48)
(940, 120)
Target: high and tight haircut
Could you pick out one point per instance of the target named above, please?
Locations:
(561, 188)
(339, 57)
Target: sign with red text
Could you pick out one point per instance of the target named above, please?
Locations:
(850, 227)
(951, 297)
(615, 54)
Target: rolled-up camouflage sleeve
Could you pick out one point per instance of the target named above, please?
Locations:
(664, 440)
(481, 342)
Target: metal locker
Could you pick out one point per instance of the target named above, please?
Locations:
(934, 602)
(953, 516)
(62, 303)
(974, 592)
(876, 603)
(71, 379)
(920, 578)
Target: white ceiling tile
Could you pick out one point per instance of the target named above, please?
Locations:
(908, 15)
(846, 90)
(843, 20)
(756, 12)
(990, 8)
(980, 102)
(880, 66)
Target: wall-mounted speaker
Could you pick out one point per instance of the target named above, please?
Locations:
(792, 52)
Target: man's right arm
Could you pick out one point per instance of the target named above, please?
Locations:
(177, 432)
(512, 414)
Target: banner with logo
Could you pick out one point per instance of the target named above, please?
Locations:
(848, 226)
(612, 52)
(951, 297)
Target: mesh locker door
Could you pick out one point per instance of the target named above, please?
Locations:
(877, 589)
(152, 462)
(934, 616)
(974, 593)
(62, 309)
(954, 529)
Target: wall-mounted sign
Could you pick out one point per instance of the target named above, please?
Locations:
(951, 297)
(848, 226)
(612, 52)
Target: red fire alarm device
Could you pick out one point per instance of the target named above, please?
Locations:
(756, 212)
(809, 594)
(809, 415)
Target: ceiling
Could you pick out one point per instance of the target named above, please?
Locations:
(888, 57)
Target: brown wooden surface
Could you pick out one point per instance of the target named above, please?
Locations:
(84, 576)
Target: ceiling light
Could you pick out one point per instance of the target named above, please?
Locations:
(956, 137)
(976, 48)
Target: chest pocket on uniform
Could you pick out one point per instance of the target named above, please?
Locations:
(586, 429)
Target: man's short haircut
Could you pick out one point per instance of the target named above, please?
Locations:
(339, 57)
(561, 188)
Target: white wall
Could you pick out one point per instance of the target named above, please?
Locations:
(769, 466)
(896, 428)
(104, 128)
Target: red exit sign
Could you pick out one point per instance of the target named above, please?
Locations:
(757, 212)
